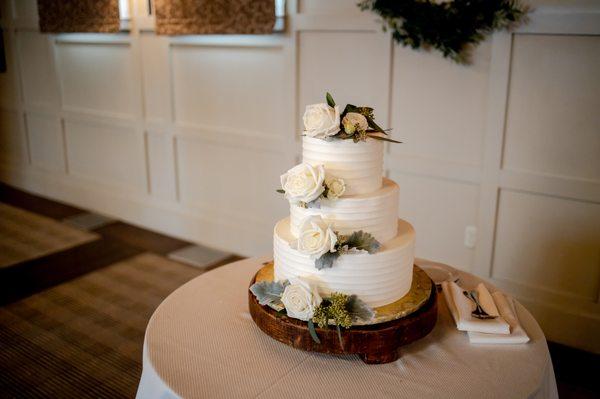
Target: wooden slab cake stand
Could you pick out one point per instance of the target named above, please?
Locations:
(406, 321)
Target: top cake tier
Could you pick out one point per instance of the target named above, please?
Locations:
(360, 164)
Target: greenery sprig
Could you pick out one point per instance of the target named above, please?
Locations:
(333, 308)
(357, 132)
(342, 310)
(451, 27)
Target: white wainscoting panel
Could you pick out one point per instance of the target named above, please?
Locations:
(231, 182)
(161, 166)
(155, 64)
(365, 81)
(97, 77)
(553, 119)
(106, 153)
(424, 202)
(229, 88)
(13, 146)
(548, 243)
(37, 73)
(439, 108)
(46, 144)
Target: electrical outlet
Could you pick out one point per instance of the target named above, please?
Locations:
(470, 236)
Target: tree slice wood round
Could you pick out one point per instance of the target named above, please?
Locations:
(375, 344)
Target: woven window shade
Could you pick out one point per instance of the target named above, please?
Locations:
(187, 17)
(58, 16)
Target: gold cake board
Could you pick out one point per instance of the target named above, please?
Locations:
(397, 324)
(418, 294)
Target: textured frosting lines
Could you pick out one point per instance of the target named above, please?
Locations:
(375, 213)
(359, 164)
(378, 279)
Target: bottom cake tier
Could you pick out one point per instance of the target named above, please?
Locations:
(378, 279)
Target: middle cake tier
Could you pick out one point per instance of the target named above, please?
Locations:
(378, 279)
(375, 213)
(359, 164)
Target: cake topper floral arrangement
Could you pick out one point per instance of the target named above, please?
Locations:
(324, 121)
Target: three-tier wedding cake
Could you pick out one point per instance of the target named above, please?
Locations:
(343, 251)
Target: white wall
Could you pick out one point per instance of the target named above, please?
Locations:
(188, 135)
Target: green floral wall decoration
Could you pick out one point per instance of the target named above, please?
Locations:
(452, 27)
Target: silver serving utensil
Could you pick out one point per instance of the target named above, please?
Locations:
(478, 313)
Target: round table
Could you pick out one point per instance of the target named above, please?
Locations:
(202, 343)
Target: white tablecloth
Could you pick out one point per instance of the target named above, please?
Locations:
(202, 343)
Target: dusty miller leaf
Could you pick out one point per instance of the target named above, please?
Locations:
(358, 309)
(374, 125)
(326, 260)
(361, 240)
(268, 293)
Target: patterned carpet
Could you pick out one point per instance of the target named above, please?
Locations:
(83, 338)
(26, 235)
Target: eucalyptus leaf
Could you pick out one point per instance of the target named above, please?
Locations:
(329, 99)
(313, 332)
(268, 293)
(383, 139)
(374, 125)
(349, 108)
(358, 309)
(326, 260)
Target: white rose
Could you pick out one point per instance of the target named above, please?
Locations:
(316, 237)
(321, 120)
(354, 120)
(303, 182)
(335, 188)
(300, 299)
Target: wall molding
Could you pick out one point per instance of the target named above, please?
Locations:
(229, 137)
(117, 39)
(586, 190)
(257, 41)
(434, 168)
(562, 21)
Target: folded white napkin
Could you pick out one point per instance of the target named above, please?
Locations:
(461, 307)
(517, 335)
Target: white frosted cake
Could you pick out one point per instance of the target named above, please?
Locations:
(337, 195)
